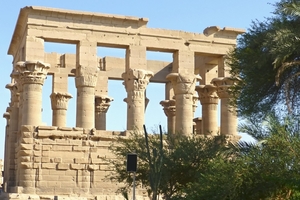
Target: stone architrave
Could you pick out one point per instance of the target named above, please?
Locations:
(12, 134)
(184, 88)
(228, 113)
(135, 82)
(59, 105)
(86, 81)
(170, 112)
(209, 101)
(102, 104)
(32, 76)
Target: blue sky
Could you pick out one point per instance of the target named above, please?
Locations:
(190, 16)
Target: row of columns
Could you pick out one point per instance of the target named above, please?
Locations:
(179, 110)
(209, 96)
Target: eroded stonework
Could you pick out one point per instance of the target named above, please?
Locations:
(59, 162)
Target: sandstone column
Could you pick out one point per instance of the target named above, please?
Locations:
(32, 75)
(13, 130)
(198, 121)
(18, 84)
(102, 104)
(136, 81)
(7, 148)
(85, 84)
(59, 105)
(170, 111)
(184, 87)
(209, 101)
(228, 114)
(86, 80)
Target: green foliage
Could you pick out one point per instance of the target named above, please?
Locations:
(267, 63)
(183, 158)
(265, 170)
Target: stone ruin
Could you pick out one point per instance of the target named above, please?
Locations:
(51, 162)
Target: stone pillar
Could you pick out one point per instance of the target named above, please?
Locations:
(209, 101)
(13, 130)
(7, 157)
(18, 84)
(59, 105)
(32, 77)
(170, 112)
(195, 101)
(198, 121)
(135, 82)
(184, 87)
(102, 104)
(228, 113)
(85, 84)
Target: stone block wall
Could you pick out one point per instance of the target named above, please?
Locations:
(69, 162)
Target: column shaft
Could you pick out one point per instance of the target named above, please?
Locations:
(228, 118)
(32, 104)
(100, 120)
(209, 101)
(32, 77)
(228, 114)
(184, 88)
(210, 119)
(136, 81)
(85, 116)
(59, 105)
(102, 103)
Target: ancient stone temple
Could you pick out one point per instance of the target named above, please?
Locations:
(55, 161)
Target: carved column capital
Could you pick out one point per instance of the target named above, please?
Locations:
(87, 77)
(102, 103)
(169, 107)
(14, 94)
(223, 85)
(207, 94)
(183, 84)
(59, 101)
(6, 115)
(136, 81)
(32, 72)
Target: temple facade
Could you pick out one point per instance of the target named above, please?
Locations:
(48, 162)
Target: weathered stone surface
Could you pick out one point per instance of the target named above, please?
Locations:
(57, 162)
